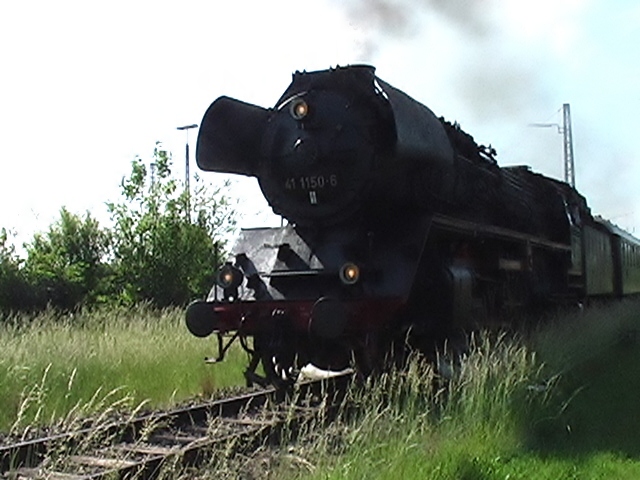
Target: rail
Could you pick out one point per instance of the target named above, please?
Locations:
(142, 447)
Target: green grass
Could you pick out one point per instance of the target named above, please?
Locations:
(562, 404)
(55, 366)
(598, 357)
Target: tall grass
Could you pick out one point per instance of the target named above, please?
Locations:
(54, 365)
(415, 424)
(561, 404)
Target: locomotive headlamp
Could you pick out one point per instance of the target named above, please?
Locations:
(299, 109)
(349, 273)
(229, 277)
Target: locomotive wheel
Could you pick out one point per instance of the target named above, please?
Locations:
(329, 355)
(278, 371)
(278, 358)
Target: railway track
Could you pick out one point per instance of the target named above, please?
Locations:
(145, 446)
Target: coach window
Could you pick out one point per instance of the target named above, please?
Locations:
(626, 255)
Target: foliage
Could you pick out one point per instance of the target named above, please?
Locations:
(66, 266)
(15, 293)
(167, 242)
(164, 247)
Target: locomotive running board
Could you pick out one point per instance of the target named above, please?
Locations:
(476, 229)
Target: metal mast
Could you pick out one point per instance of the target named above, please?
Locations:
(569, 166)
(187, 176)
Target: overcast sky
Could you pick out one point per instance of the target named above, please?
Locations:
(86, 86)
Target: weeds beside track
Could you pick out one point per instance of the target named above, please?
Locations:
(143, 446)
(58, 368)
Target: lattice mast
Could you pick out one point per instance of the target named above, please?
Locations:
(569, 166)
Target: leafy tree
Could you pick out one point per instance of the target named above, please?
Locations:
(15, 292)
(166, 242)
(67, 266)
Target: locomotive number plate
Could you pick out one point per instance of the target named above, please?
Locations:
(314, 182)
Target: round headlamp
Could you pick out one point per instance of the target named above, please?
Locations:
(229, 277)
(349, 273)
(299, 109)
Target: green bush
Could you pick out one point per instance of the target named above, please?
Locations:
(66, 266)
(15, 292)
(167, 242)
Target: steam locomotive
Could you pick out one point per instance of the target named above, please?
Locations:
(401, 229)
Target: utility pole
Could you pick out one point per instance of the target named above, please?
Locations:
(569, 166)
(565, 130)
(187, 189)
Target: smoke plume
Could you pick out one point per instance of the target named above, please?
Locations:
(489, 78)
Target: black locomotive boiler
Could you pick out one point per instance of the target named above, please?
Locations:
(401, 228)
